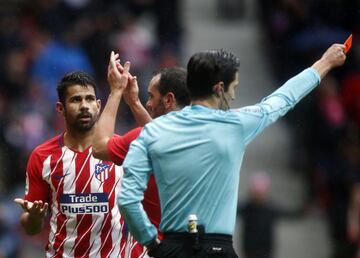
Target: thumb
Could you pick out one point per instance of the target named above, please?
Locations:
(132, 79)
(19, 201)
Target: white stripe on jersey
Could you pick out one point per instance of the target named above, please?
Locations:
(63, 151)
(115, 220)
(96, 186)
(115, 212)
(82, 217)
(69, 169)
(46, 171)
(82, 169)
(117, 229)
(54, 207)
(88, 231)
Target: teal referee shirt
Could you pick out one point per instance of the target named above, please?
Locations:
(196, 155)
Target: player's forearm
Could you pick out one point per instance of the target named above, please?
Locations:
(106, 126)
(140, 114)
(31, 224)
(323, 67)
(136, 175)
(139, 224)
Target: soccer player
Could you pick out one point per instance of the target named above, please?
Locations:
(167, 92)
(79, 190)
(196, 155)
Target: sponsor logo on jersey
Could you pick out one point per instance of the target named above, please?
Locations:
(102, 171)
(87, 203)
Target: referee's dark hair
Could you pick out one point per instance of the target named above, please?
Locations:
(173, 79)
(74, 78)
(207, 68)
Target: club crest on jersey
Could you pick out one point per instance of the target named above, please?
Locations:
(102, 171)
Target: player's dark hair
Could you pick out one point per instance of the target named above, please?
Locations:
(173, 79)
(74, 78)
(205, 69)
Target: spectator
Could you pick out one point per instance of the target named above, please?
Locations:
(259, 218)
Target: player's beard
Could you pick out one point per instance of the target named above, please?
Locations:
(159, 110)
(79, 126)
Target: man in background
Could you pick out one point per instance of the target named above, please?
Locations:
(259, 216)
(167, 92)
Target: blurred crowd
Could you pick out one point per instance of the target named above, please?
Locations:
(326, 124)
(41, 40)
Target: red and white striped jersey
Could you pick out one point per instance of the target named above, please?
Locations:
(81, 191)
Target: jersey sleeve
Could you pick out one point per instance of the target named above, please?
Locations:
(257, 117)
(151, 204)
(137, 170)
(118, 145)
(36, 187)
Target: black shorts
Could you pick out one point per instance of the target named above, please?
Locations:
(186, 245)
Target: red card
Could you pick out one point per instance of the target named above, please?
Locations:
(348, 43)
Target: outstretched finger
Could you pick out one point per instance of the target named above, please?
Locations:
(35, 206)
(44, 209)
(127, 67)
(110, 58)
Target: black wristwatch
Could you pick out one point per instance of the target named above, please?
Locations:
(152, 246)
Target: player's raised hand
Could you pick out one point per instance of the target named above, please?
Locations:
(333, 57)
(118, 75)
(35, 209)
(131, 94)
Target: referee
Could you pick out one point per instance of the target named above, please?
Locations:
(196, 155)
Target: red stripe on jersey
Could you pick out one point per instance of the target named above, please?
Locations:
(60, 235)
(136, 250)
(118, 146)
(56, 167)
(106, 238)
(123, 241)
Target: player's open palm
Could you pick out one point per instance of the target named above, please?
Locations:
(35, 209)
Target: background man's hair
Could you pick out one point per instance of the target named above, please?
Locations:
(173, 79)
(205, 69)
(74, 78)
